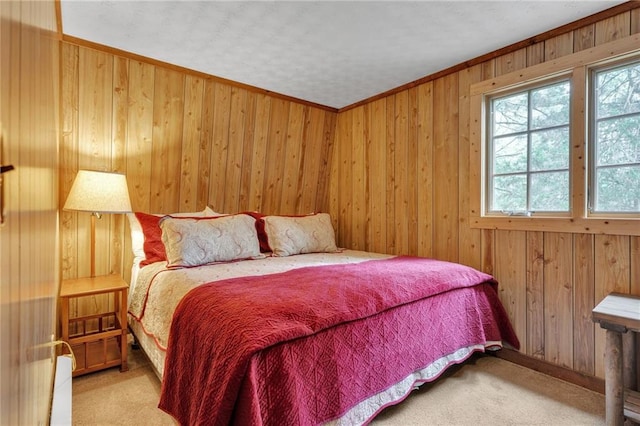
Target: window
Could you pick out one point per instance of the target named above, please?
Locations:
(556, 146)
(615, 139)
(529, 146)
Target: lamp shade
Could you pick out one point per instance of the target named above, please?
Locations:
(99, 192)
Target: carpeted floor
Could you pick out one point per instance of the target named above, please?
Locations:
(483, 391)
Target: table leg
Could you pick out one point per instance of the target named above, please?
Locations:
(613, 379)
(123, 323)
(629, 361)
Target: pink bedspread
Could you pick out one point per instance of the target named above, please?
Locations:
(227, 363)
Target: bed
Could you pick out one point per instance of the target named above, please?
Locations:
(252, 319)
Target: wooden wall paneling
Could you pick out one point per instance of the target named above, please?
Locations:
(235, 149)
(445, 124)
(511, 62)
(335, 166)
(366, 140)
(510, 269)
(258, 156)
(138, 147)
(206, 146)
(390, 119)
(328, 146)
(276, 150)
(401, 174)
(292, 158)
(358, 217)
(377, 182)
(412, 172)
(95, 103)
(558, 46)
(612, 274)
(303, 162)
(558, 298)
(167, 134)
(191, 136)
(345, 196)
(535, 261)
(635, 21)
(140, 134)
(247, 149)
(583, 303)
(468, 238)
(613, 28)
(220, 147)
(424, 178)
(69, 149)
(535, 53)
(634, 261)
(118, 159)
(584, 38)
(488, 250)
(310, 161)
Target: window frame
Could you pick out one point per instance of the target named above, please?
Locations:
(488, 99)
(577, 67)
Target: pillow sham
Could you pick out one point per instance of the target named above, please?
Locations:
(200, 241)
(146, 241)
(290, 235)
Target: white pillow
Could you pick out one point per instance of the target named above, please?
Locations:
(300, 234)
(195, 242)
(137, 236)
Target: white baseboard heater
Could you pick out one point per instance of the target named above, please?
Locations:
(61, 404)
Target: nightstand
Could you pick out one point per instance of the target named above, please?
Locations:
(98, 340)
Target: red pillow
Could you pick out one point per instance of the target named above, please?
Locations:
(153, 246)
(262, 234)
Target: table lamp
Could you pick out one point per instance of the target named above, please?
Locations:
(97, 193)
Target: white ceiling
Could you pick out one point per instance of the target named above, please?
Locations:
(333, 53)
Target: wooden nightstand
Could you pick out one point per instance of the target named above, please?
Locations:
(99, 340)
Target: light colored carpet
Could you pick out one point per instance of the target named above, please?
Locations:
(483, 391)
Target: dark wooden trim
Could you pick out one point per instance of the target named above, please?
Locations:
(572, 26)
(587, 381)
(133, 56)
(58, 18)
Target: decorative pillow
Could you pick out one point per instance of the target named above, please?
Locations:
(194, 242)
(149, 236)
(262, 235)
(302, 234)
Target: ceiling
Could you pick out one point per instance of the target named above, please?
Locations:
(333, 53)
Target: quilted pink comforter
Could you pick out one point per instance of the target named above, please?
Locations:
(305, 346)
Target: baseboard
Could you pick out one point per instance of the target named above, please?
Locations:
(580, 379)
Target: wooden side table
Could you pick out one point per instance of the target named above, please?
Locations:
(99, 340)
(617, 314)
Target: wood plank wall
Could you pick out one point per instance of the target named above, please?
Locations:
(29, 262)
(184, 141)
(399, 184)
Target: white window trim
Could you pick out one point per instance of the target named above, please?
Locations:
(576, 65)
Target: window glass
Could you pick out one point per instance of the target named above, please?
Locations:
(615, 139)
(529, 150)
